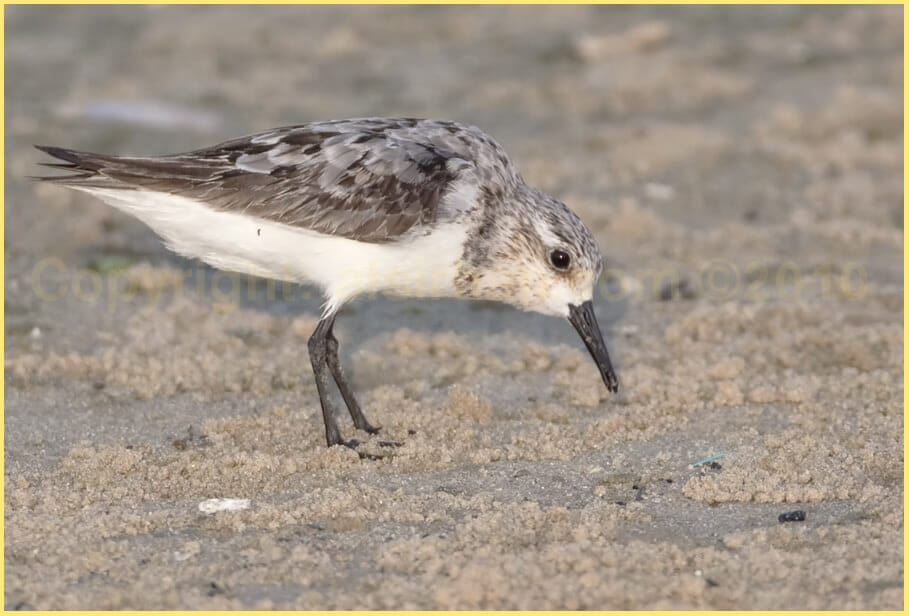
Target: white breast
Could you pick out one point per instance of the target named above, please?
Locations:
(421, 266)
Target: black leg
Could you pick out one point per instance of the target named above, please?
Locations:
(334, 364)
(318, 356)
(323, 353)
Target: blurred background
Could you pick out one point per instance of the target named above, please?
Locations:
(741, 168)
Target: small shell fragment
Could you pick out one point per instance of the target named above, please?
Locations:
(214, 505)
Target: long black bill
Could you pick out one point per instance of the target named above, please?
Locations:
(585, 321)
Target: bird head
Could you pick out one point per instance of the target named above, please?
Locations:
(535, 254)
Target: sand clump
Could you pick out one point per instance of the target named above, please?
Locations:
(468, 405)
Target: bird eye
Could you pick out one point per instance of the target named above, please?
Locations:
(559, 259)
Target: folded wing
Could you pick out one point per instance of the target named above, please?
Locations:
(371, 180)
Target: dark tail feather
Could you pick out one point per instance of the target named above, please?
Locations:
(86, 167)
(58, 165)
(129, 173)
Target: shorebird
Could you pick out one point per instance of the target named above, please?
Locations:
(410, 207)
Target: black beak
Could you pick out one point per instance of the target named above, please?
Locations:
(585, 321)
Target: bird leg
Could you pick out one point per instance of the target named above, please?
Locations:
(359, 419)
(334, 364)
(318, 353)
(323, 354)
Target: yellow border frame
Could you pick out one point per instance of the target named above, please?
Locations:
(440, 2)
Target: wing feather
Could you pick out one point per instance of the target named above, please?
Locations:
(371, 180)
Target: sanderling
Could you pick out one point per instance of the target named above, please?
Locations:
(410, 207)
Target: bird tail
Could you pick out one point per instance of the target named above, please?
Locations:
(87, 169)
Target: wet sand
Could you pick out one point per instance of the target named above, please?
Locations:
(742, 171)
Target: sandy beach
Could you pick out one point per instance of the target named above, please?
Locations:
(741, 169)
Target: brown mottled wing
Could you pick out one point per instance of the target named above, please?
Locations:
(371, 180)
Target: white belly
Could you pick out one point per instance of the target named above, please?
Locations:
(423, 266)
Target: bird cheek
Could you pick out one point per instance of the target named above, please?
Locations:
(495, 285)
